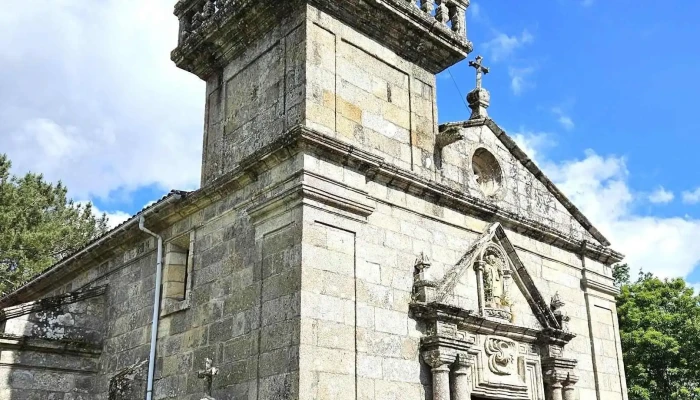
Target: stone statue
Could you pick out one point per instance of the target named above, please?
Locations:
(493, 282)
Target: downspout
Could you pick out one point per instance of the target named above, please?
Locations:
(156, 309)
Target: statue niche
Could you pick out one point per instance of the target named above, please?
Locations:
(494, 275)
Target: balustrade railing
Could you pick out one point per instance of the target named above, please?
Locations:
(195, 14)
(451, 13)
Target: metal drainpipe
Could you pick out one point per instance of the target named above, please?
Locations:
(156, 309)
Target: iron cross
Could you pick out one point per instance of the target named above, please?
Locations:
(480, 70)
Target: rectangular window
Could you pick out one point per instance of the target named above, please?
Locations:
(177, 273)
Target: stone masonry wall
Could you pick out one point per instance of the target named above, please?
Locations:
(255, 99)
(356, 287)
(53, 352)
(242, 312)
(309, 300)
(363, 93)
(312, 69)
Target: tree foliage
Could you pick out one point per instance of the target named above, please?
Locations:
(660, 333)
(39, 225)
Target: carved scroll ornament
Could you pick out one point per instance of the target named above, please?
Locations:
(501, 355)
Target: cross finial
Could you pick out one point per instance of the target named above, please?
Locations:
(480, 70)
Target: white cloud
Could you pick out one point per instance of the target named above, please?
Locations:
(598, 185)
(89, 96)
(113, 218)
(696, 287)
(475, 10)
(502, 46)
(116, 218)
(692, 197)
(563, 118)
(532, 143)
(661, 196)
(519, 81)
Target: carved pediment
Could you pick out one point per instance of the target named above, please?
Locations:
(494, 278)
(505, 354)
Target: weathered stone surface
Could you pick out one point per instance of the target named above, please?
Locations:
(294, 270)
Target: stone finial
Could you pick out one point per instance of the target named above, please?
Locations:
(479, 99)
(422, 262)
(556, 305)
(423, 286)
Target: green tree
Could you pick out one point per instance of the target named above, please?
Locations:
(660, 333)
(39, 226)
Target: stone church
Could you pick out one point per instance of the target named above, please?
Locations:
(343, 244)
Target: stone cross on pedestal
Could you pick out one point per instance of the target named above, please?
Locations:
(480, 70)
(208, 373)
(479, 98)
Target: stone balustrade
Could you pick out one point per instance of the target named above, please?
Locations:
(450, 13)
(196, 15)
(430, 33)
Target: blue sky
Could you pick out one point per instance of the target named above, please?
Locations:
(599, 93)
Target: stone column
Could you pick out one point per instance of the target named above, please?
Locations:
(440, 368)
(568, 392)
(461, 384)
(554, 388)
(479, 269)
(559, 376)
(441, 382)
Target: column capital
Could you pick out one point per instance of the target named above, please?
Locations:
(560, 377)
(462, 363)
(438, 359)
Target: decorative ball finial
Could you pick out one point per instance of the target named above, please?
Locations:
(479, 99)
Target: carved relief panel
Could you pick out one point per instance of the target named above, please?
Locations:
(504, 368)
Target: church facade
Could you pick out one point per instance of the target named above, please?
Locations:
(343, 244)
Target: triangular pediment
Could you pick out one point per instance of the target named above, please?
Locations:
(524, 188)
(492, 257)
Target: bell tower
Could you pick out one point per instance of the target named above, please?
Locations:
(356, 70)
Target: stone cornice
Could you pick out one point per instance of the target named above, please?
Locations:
(51, 302)
(601, 287)
(212, 34)
(466, 320)
(11, 342)
(178, 205)
(443, 194)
